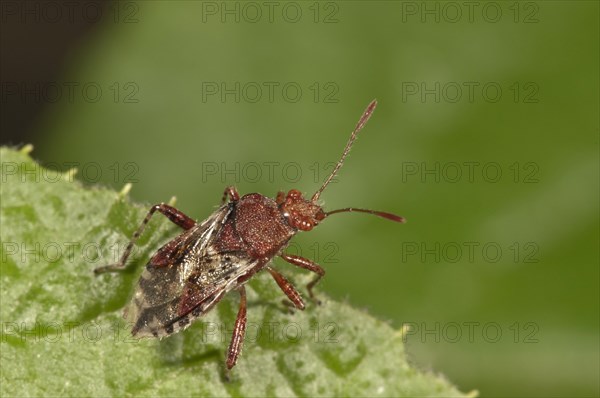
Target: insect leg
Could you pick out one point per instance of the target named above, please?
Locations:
(230, 191)
(287, 288)
(306, 264)
(280, 198)
(176, 216)
(237, 339)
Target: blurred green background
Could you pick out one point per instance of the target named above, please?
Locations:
(485, 139)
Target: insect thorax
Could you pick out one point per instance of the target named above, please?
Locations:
(261, 225)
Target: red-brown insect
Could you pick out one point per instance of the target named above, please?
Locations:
(191, 273)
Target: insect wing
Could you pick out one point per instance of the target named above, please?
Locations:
(185, 278)
(156, 301)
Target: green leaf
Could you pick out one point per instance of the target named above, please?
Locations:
(63, 331)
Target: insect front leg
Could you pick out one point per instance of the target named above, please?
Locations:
(176, 216)
(233, 194)
(239, 330)
(287, 288)
(306, 264)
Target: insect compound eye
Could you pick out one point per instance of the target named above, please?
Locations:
(305, 225)
(294, 194)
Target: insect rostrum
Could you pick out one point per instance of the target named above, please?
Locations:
(190, 274)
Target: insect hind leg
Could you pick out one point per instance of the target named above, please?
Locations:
(174, 215)
(239, 330)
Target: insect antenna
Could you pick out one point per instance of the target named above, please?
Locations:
(383, 214)
(361, 123)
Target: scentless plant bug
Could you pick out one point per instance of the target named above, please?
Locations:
(190, 274)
